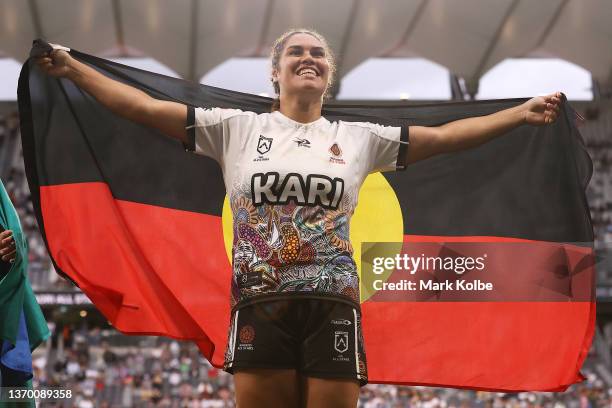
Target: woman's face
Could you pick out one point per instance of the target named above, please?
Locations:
(303, 66)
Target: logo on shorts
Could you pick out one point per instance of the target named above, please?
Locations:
(362, 365)
(341, 322)
(247, 334)
(341, 341)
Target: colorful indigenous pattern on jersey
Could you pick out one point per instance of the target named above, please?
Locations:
(293, 188)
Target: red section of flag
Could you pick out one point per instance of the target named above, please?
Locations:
(482, 345)
(148, 269)
(161, 271)
(505, 346)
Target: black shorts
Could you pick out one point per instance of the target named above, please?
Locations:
(317, 337)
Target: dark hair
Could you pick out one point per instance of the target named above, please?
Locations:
(277, 50)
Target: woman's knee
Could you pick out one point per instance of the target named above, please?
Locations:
(331, 393)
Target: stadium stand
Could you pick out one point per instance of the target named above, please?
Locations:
(104, 371)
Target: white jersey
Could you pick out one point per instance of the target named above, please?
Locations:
(293, 188)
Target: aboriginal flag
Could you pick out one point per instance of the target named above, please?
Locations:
(136, 223)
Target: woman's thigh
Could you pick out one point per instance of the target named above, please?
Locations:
(330, 393)
(265, 387)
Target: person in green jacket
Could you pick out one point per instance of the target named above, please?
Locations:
(22, 324)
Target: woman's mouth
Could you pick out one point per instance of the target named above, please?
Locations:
(307, 73)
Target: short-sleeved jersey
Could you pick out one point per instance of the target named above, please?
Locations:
(293, 188)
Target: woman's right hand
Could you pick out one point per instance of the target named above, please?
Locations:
(122, 99)
(56, 63)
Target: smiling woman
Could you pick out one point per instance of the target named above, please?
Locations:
(319, 68)
(293, 178)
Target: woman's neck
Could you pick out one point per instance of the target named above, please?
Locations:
(300, 110)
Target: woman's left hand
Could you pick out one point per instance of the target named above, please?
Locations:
(542, 110)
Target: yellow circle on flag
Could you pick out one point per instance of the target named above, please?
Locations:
(377, 218)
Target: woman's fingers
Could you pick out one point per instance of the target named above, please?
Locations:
(552, 108)
(6, 244)
(43, 59)
(44, 63)
(7, 251)
(8, 256)
(6, 238)
(553, 98)
(547, 107)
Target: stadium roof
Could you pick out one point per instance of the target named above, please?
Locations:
(192, 37)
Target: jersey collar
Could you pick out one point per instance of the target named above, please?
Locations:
(297, 125)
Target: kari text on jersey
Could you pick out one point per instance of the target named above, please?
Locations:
(317, 189)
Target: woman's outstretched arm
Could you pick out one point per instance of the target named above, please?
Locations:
(465, 133)
(121, 99)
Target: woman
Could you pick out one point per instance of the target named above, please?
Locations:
(293, 178)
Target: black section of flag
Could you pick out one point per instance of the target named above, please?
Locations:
(529, 183)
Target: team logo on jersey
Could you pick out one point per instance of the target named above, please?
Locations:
(336, 154)
(341, 341)
(335, 150)
(302, 142)
(264, 144)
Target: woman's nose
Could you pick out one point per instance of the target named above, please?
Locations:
(307, 56)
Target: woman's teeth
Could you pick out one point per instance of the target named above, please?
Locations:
(307, 72)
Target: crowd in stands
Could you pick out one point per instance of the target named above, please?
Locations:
(40, 268)
(597, 135)
(137, 375)
(105, 369)
(157, 372)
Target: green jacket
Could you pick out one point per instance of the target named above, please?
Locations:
(15, 291)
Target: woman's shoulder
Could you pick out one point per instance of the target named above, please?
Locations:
(216, 114)
(367, 127)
